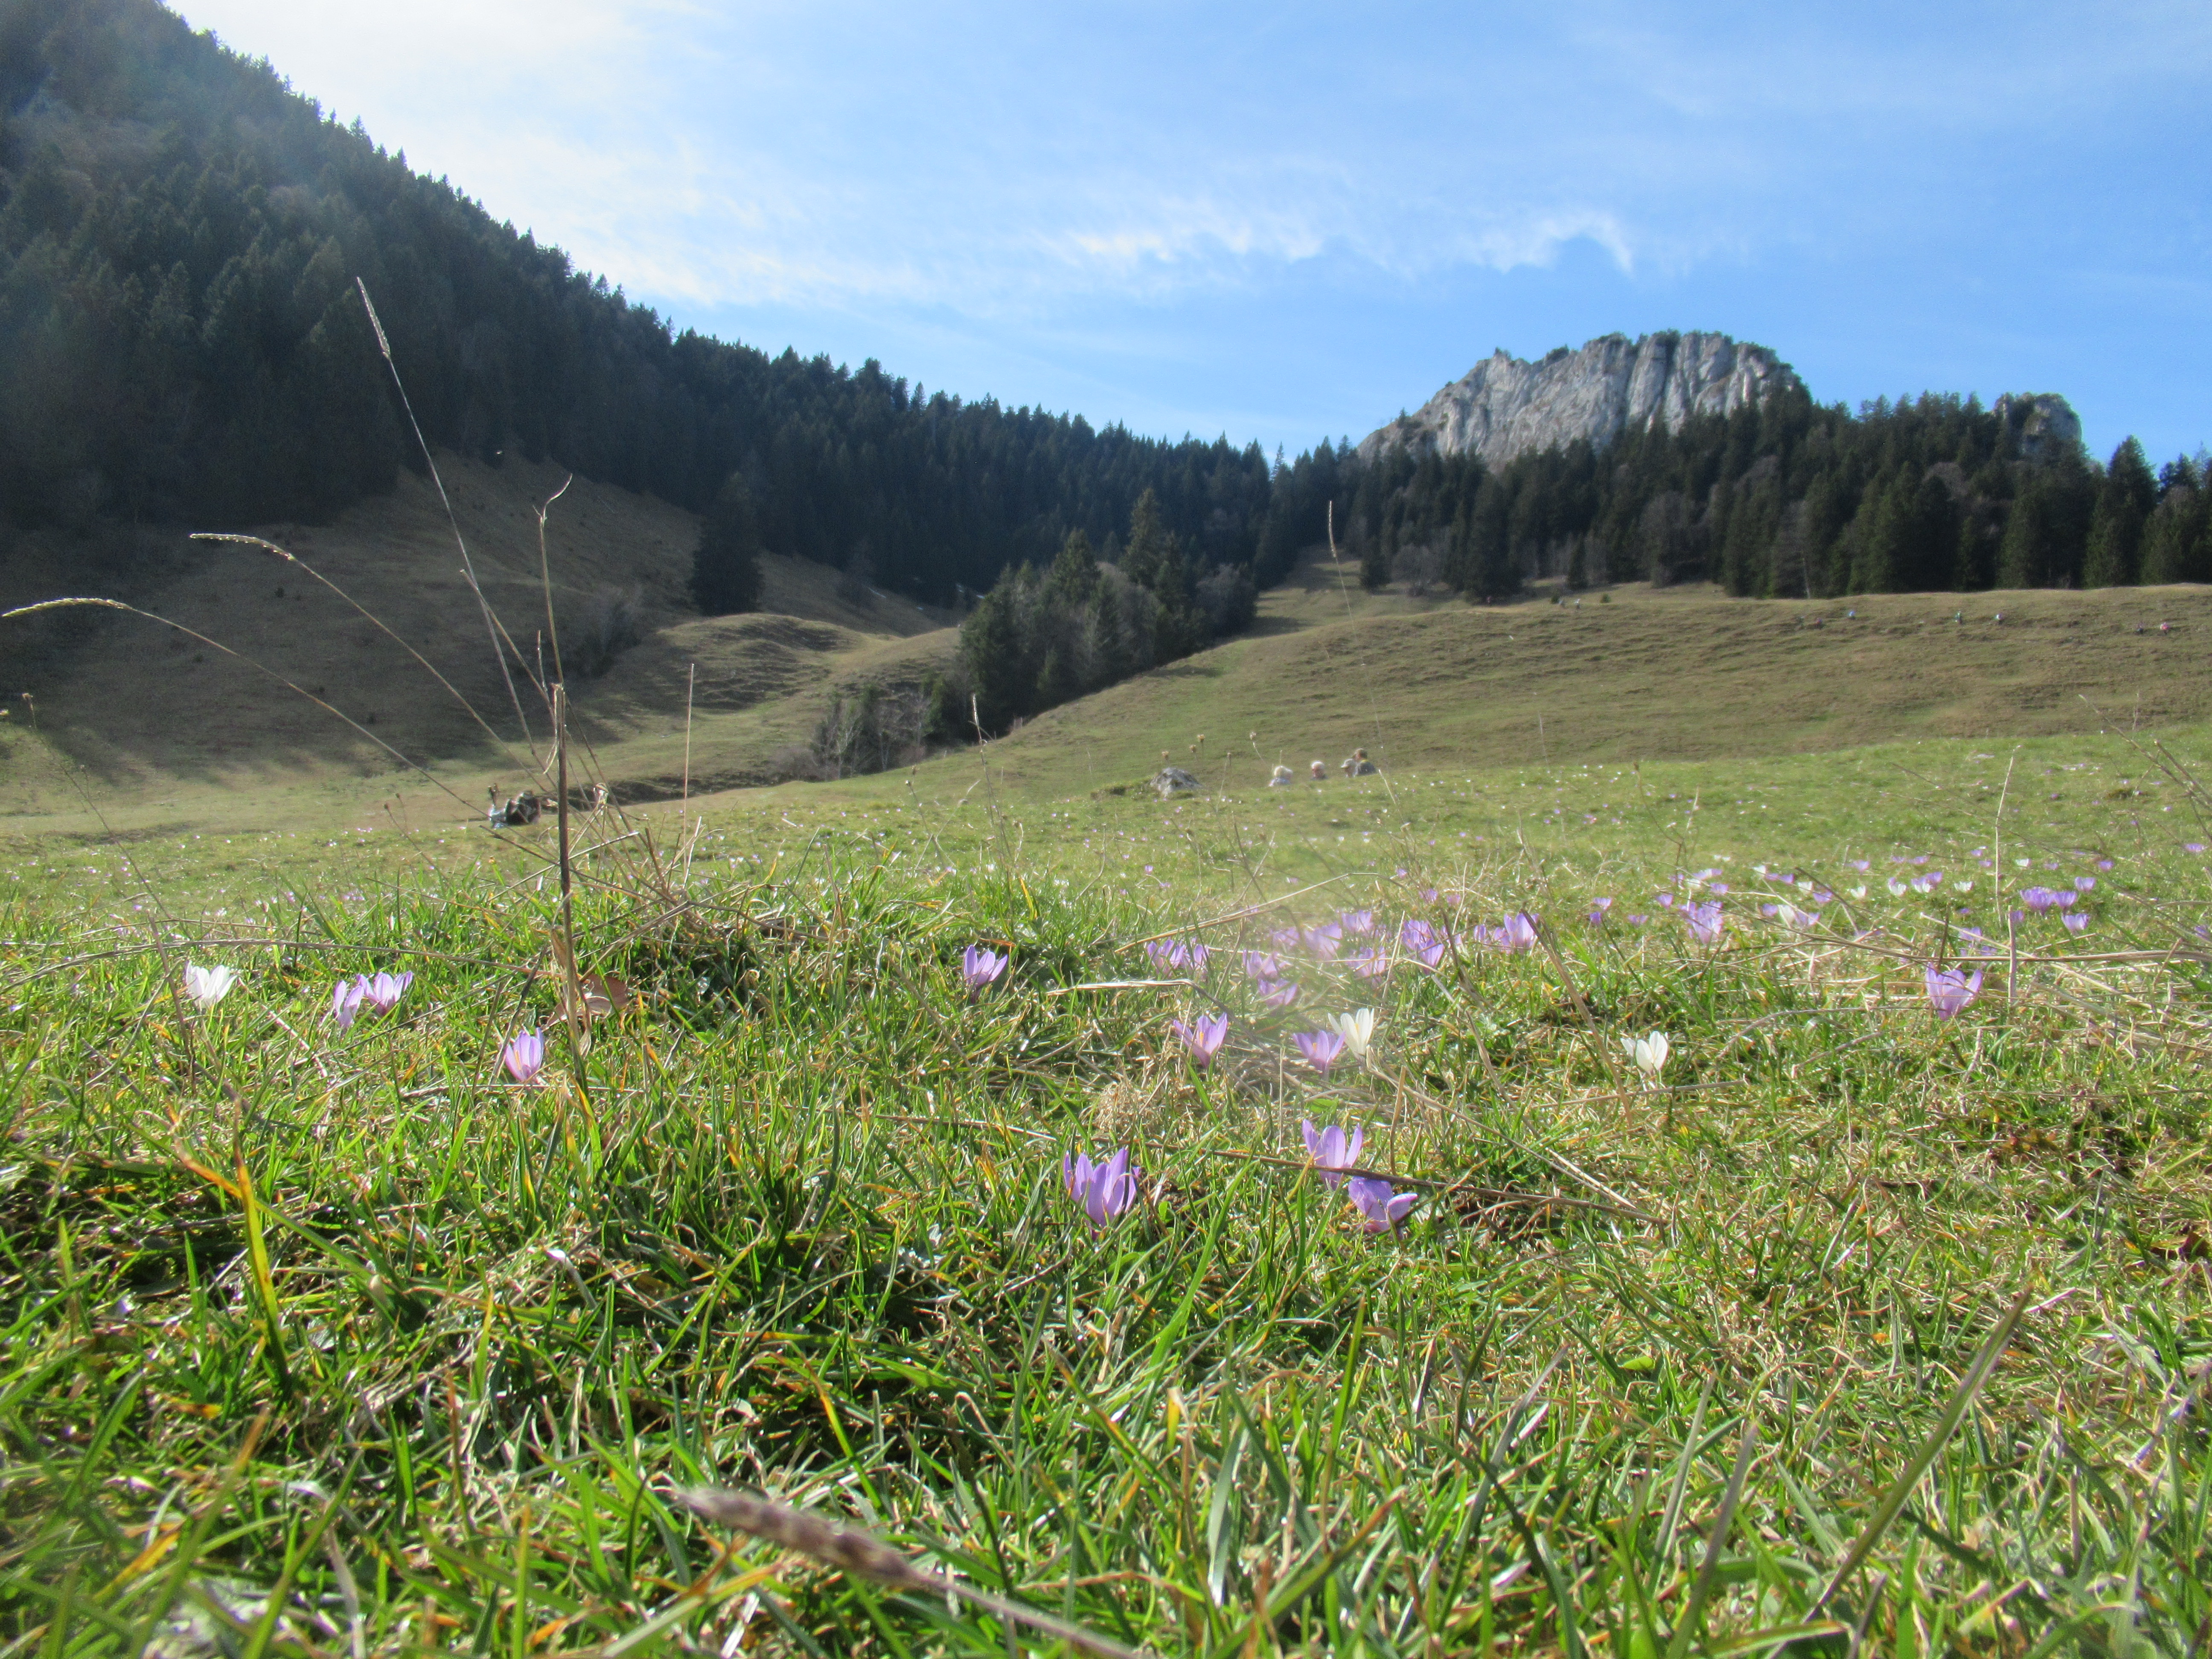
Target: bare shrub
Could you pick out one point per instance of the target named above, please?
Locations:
(795, 762)
(1420, 566)
(1227, 599)
(872, 730)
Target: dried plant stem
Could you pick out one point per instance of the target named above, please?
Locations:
(545, 576)
(2012, 932)
(1374, 708)
(468, 567)
(690, 689)
(866, 1557)
(573, 991)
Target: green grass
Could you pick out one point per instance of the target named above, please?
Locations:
(324, 1343)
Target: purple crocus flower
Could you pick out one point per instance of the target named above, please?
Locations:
(1519, 932)
(2076, 920)
(2085, 883)
(2192, 846)
(1356, 921)
(1860, 864)
(1369, 964)
(1277, 992)
(378, 994)
(2107, 864)
(2040, 899)
(1285, 939)
(979, 966)
(1259, 964)
(1950, 990)
(1705, 921)
(1103, 1190)
(1196, 955)
(382, 993)
(345, 1000)
(1166, 954)
(1321, 943)
(1203, 1037)
(1331, 1150)
(1423, 943)
(1380, 1208)
(1321, 1048)
(524, 1056)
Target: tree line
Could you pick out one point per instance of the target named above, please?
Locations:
(1793, 499)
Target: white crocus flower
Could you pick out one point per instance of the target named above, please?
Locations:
(209, 985)
(1650, 1054)
(1858, 892)
(1356, 1029)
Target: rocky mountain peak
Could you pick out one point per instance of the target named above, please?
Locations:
(2043, 425)
(1505, 406)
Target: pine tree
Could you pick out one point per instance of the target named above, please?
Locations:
(1881, 534)
(2125, 500)
(1932, 546)
(2030, 548)
(2177, 545)
(1147, 546)
(725, 570)
(1373, 566)
(991, 651)
(1492, 572)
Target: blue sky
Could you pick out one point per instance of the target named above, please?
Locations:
(1290, 223)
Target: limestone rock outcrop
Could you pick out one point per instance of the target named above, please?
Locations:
(2043, 425)
(1505, 406)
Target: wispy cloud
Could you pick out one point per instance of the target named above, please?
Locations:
(1018, 167)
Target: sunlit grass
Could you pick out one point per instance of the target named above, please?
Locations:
(320, 1342)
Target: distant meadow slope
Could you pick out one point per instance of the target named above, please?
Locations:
(1683, 1207)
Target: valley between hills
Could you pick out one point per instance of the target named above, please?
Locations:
(147, 724)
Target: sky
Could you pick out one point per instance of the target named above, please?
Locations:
(1290, 223)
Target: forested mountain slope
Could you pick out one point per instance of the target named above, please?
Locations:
(1785, 497)
(182, 341)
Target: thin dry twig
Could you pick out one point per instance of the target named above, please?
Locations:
(865, 1556)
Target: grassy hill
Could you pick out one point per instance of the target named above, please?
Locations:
(149, 714)
(164, 729)
(1665, 674)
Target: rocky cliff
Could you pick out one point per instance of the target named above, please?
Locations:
(2043, 425)
(1506, 407)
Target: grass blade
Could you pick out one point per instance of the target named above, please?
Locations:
(1901, 1488)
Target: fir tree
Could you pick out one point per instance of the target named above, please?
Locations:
(2030, 549)
(725, 570)
(2125, 499)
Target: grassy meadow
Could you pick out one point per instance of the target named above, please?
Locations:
(1838, 1326)
(1845, 1329)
